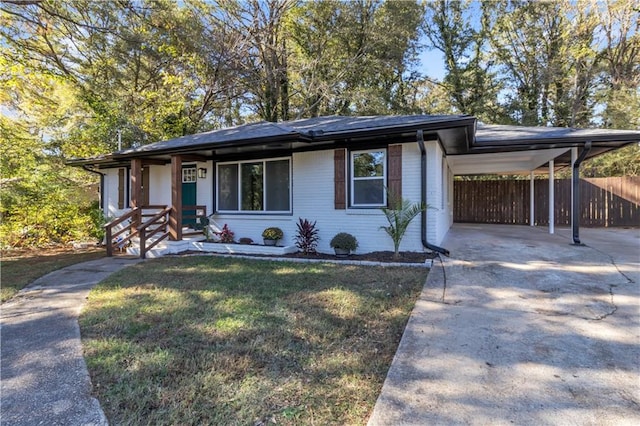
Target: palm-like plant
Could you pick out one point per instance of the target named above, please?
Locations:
(399, 213)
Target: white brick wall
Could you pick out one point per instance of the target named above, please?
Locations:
(439, 216)
(111, 194)
(313, 199)
(160, 185)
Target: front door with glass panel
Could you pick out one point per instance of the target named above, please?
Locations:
(189, 176)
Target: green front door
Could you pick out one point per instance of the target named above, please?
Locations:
(188, 195)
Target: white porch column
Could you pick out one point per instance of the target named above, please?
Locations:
(574, 157)
(532, 210)
(551, 199)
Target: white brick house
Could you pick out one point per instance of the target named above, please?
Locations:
(331, 170)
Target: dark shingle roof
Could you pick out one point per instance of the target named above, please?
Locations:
(262, 130)
(510, 135)
(306, 129)
(455, 132)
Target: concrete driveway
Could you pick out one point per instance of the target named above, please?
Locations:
(520, 327)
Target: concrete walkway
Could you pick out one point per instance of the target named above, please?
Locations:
(44, 379)
(520, 327)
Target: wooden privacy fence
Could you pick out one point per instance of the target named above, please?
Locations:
(605, 202)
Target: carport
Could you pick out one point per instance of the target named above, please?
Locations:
(535, 150)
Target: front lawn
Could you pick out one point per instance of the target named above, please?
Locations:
(206, 340)
(21, 267)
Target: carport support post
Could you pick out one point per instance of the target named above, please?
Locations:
(532, 210)
(551, 199)
(574, 157)
(575, 187)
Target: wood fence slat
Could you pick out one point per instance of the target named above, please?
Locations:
(604, 202)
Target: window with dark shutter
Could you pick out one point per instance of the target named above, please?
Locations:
(368, 178)
(339, 172)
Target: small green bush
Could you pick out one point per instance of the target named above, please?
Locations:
(345, 241)
(272, 234)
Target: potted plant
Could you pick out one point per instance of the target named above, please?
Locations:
(343, 243)
(271, 236)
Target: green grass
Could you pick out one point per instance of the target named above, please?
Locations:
(206, 340)
(21, 268)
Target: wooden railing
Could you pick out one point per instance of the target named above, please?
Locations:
(147, 225)
(158, 223)
(122, 237)
(196, 212)
(141, 224)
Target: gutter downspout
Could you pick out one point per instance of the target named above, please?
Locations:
(86, 167)
(575, 182)
(423, 196)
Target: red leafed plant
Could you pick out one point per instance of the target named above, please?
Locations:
(226, 235)
(307, 236)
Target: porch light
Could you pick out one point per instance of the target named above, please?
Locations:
(202, 173)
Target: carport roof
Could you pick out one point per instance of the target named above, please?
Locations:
(498, 137)
(508, 149)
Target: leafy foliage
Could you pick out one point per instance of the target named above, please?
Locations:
(399, 213)
(307, 236)
(225, 235)
(272, 233)
(344, 240)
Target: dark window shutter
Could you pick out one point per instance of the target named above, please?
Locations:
(394, 181)
(145, 186)
(339, 179)
(121, 188)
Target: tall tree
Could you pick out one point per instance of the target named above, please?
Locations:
(263, 63)
(453, 28)
(620, 80)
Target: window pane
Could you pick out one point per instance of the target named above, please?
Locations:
(228, 187)
(369, 191)
(368, 164)
(277, 185)
(188, 175)
(252, 192)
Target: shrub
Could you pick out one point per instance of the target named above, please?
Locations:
(246, 240)
(345, 241)
(272, 234)
(307, 236)
(399, 214)
(226, 235)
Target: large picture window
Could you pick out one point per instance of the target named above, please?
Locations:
(255, 186)
(368, 178)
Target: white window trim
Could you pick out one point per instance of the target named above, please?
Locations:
(352, 178)
(264, 188)
(191, 174)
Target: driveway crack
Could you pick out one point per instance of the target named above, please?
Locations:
(615, 307)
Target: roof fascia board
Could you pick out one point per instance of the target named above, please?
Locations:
(209, 146)
(575, 140)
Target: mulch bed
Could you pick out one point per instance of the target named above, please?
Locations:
(376, 256)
